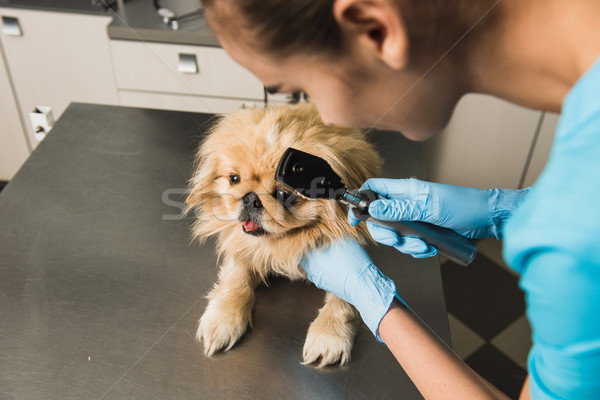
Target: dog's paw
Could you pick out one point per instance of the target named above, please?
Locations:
(328, 342)
(220, 329)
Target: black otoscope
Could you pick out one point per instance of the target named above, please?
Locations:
(312, 177)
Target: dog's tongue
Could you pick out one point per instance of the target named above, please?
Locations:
(250, 226)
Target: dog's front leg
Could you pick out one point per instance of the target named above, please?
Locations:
(229, 310)
(331, 335)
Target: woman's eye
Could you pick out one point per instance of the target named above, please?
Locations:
(296, 97)
(234, 179)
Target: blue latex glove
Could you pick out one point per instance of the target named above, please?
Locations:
(345, 269)
(474, 213)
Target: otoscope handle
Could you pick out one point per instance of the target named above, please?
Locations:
(448, 243)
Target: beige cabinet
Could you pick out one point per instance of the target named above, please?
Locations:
(13, 145)
(182, 77)
(56, 58)
(490, 143)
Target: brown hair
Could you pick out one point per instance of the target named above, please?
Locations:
(286, 27)
(282, 27)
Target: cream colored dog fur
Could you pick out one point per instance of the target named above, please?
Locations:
(262, 228)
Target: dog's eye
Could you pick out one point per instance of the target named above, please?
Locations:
(284, 197)
(234, 179)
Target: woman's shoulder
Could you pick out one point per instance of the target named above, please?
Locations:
(581, 107)
(561, 212)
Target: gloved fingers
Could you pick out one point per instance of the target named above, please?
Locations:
(352, 218)
(394, 210)
(399, 210)
(388, 187)
(383, 235)
(318, 257)
(407, 245)
(337, 267)
(417, 248)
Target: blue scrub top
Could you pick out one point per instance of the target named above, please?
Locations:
(553, 241)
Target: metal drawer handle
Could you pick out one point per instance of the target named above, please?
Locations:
(187, 64)
(11, 27)
(42, 121)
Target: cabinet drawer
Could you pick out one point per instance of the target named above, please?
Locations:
(58, 59)
(191, 70)
(163, 101)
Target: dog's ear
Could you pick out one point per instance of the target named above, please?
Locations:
(205, 172)
(350, 155)
(359, 162)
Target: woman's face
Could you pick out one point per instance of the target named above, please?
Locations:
(355, 90)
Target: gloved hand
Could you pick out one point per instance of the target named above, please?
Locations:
(474, 213)
(345, 269)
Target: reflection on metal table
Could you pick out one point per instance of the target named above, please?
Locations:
(101, 287)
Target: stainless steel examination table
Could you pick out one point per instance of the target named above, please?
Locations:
(101, 286)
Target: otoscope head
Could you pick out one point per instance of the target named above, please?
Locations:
(309, 175)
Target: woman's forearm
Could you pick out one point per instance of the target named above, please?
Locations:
(436, 371)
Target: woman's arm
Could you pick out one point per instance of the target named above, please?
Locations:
(434, 369)
(525, 393)
(346, 270)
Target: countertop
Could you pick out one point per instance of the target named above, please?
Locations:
(136, 20)
(101, 286)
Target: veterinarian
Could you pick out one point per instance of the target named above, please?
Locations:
(403, 65)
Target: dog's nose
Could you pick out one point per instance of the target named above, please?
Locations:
(251, 201)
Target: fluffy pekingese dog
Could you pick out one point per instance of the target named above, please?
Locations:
(263, 228)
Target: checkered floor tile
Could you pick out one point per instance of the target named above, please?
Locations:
(487, 319)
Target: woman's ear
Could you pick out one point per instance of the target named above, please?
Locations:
(376, 25)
